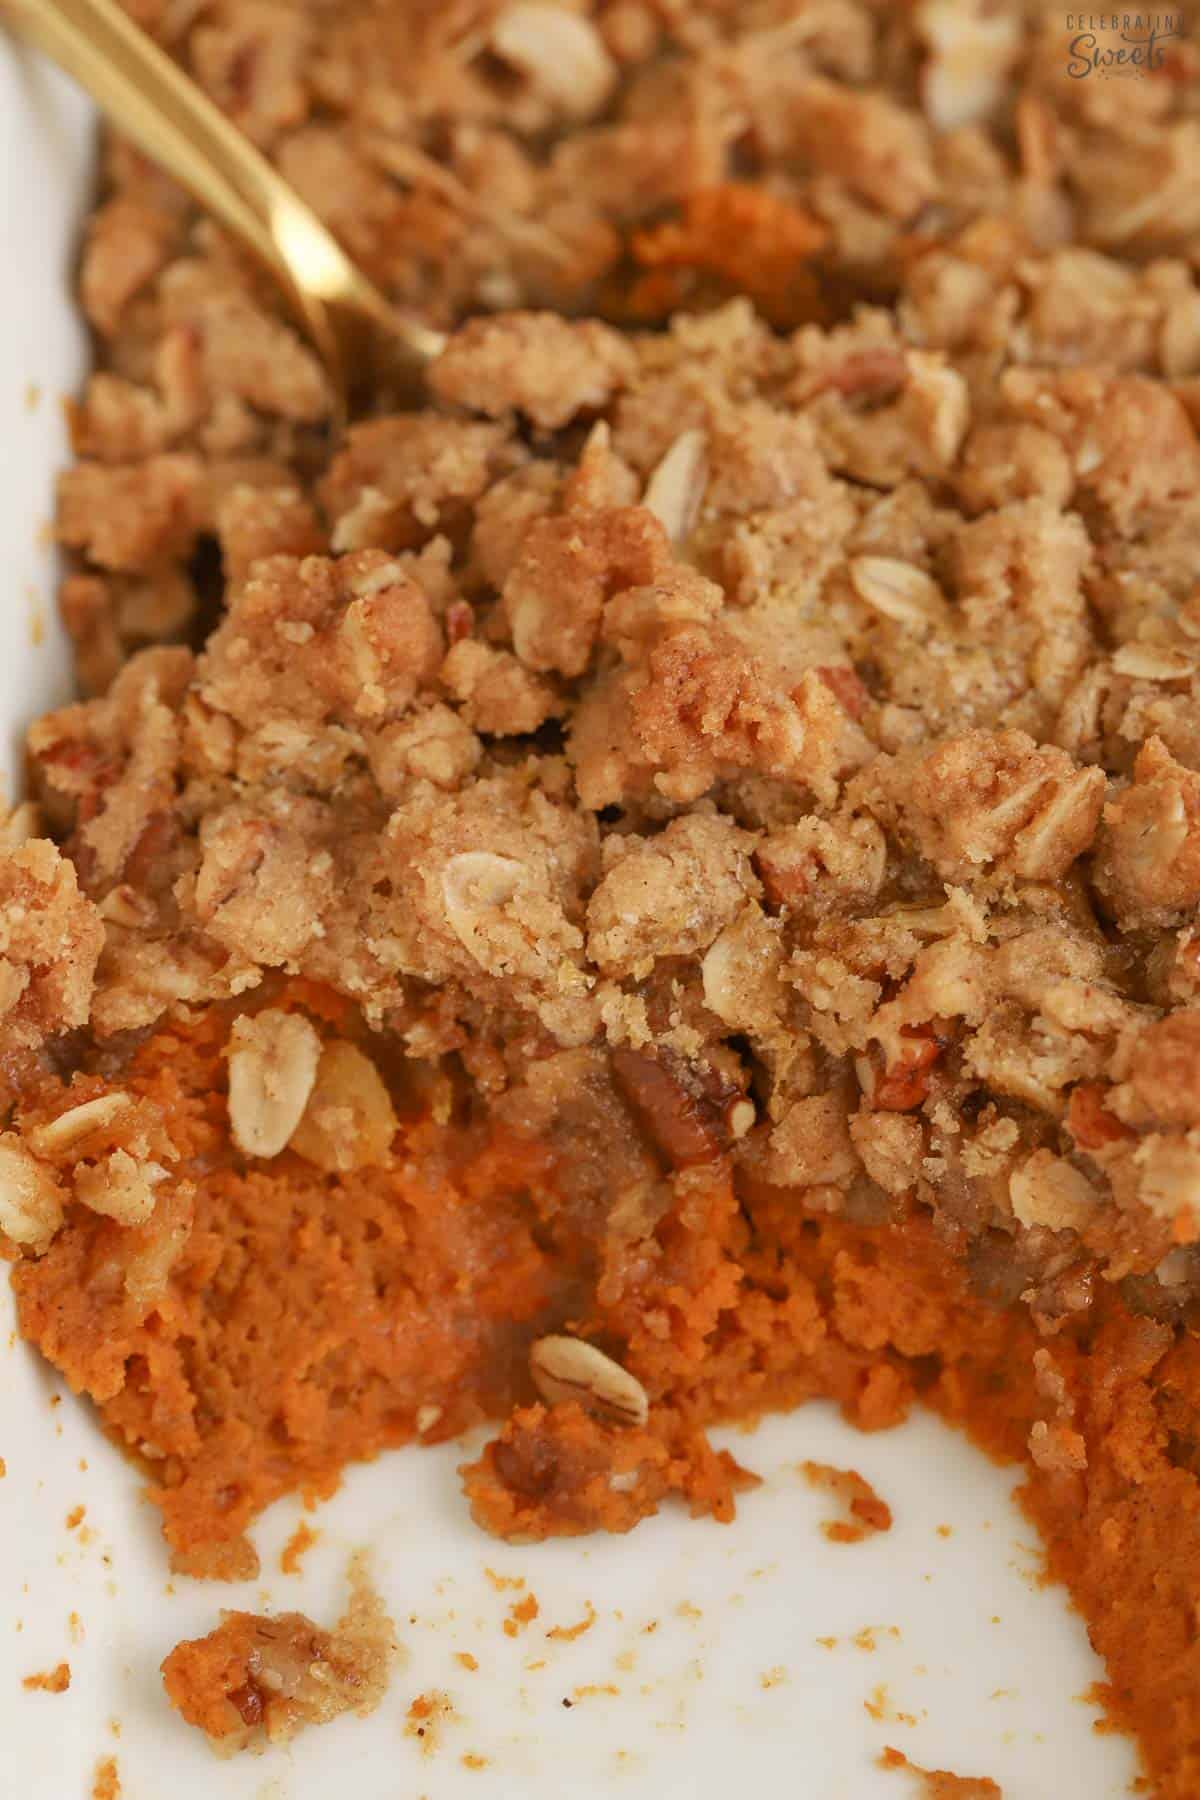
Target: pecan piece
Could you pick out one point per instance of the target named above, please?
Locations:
(1089, 1120)
(877, 374)
(690, 1112)
(904, 1084)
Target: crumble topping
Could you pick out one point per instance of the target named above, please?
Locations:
(793, 800)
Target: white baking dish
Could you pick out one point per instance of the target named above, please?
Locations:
(705, 1672)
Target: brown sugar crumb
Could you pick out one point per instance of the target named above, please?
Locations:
(520, 1614)
(465, 1660)
(3, 1468)
(471, 1760)
(75, 1517)
(256, 1679)
(868, 1513)
(568, 1633)
(427, 1718)
(106, 1781)
(590, 1688)
(297, 1548)
(50, 1681)
(939, 1784)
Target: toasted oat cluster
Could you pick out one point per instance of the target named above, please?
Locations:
(736, 744)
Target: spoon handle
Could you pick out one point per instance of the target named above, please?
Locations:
(155, 104)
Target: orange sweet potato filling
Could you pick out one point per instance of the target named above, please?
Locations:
(307, 1318)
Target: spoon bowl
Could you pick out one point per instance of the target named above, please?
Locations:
(360, 338)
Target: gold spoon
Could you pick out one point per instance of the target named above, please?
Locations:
(151, 101)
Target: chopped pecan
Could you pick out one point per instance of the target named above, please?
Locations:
(877, 374)
(1165, 1069)
(846, 688)
(1089, 1120)
(689, 1111)
(904, 1084)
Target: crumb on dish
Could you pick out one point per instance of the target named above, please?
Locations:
(868, 1514)
(940, 1784)
(257, 1680)
(50, 1681)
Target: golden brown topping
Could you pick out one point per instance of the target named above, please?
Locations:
(50, 941)
(668, 895)
(1148, 855)
(823, 865)
(31, 1196)
(566, 1368)
(120, 1186)
(741, 974)
(1048, 1190)
(892, 1147)
(498, 695)
(995, 800)
(568, 567)
(1165, 1068)
(811, 1145)
(546, 367)
(1089, 1120)
(970, 56)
